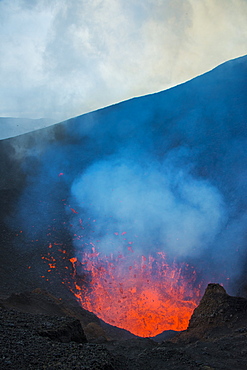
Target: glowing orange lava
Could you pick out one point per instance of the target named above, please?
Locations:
(143, 295)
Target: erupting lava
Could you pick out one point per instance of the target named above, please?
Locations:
(143, 295)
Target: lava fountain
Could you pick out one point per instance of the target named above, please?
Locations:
(144, 295)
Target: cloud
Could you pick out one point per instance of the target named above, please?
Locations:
(64, 58)
(181, 214)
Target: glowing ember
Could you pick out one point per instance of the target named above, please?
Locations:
(143, 295)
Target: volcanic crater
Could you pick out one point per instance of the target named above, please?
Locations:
(119, 219)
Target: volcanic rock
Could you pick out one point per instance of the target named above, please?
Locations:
(215, 339)
(22, 347)
(218, 308)
(217, 315)
(67, 331)
(40, 301)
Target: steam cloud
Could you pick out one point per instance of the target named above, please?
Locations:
(155, 205)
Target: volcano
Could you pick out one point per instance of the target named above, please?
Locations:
(133, 209)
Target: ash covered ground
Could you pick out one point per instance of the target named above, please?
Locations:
(39, 331)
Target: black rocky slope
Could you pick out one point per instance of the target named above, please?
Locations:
(215, 339)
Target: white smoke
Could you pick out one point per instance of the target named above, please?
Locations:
(155, 205)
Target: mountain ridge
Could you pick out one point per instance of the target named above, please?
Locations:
(227, 64)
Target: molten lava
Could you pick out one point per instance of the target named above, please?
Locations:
(143, 295)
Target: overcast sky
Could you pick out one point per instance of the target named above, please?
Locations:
(61, 58)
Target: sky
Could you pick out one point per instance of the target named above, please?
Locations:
(62, 58)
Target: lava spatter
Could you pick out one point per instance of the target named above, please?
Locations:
(145, 295)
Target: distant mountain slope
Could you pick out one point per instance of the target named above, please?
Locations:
(13, 126)
(10, 127)
(169, 168)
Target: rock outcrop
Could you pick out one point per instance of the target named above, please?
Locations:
(217, 315)
(65, 330)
